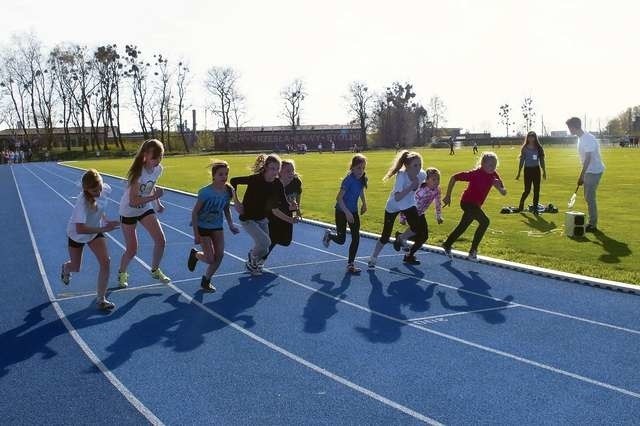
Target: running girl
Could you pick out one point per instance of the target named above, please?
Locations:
(480, 181)
(407, 168)
(346, 210)
(87, 225)
(428, 192)
(264, 195)
(281, 232)
(206, 217)
(136, 206)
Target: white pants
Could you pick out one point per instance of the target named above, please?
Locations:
(259, 231)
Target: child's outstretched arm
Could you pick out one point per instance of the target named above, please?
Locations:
(497, 183)
(447, 198)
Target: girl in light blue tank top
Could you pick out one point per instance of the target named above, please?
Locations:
(206, 219)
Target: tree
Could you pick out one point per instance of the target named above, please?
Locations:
(61, 60)
(528, 114)
(84, 72)
(108, 68)
(27, 80)
(222, 85)
(16, 91)
(359, 101)
(437, 112)
(394, 115)
(505, 117)
(182, 85)
(164, 89)
(238, 112)
(137, 73)
(293, 95)
(623, 122)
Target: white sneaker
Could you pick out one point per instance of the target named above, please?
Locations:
(371, 264)
(326, 238)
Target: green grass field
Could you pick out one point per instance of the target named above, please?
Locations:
(516, 237)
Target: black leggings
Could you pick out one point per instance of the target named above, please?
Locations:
(341, 229)
(471, 212)
(417, 223)
(531, 175)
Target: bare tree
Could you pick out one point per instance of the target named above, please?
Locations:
(293, 95)
(238, 113)
(29, 83)
(136, 71)
(528, 114)
(222, 85)
(182, 85)
(359, 101)
(163, 82)
(505, 117)
(16, 91)
(108, 68)
(61, 60)
(84, 72)
(437, 112)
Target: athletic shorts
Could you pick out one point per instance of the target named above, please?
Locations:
(73, 243)
(207, 232)
(133, 220)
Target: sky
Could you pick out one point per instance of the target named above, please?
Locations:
(572, 57)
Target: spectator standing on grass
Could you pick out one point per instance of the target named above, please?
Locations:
(532, 158)
(592, 168)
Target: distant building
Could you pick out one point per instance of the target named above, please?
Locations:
(35, 136)
(277, 138)
(559, 133)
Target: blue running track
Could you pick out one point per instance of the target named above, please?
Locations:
(304, 343)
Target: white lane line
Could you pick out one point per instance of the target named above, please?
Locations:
(135, 402)
(531, 307)
(469, 343)
(447, 336)
(273, 346)
(497, 308)
(484, 296)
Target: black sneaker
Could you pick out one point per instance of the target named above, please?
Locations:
(193, 259)
(447, 251)
(410, 259)
(397, 244)
(590, 228)
(206, 285)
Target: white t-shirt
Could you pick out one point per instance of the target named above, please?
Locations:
(588, 143)
(82, 213)
(409, 200)
(146, 183)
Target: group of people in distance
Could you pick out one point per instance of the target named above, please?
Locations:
(271, 206)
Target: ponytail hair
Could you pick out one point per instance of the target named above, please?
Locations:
(90, 179)
(356, 160)
(150, 146)
(263, 160)
(403, 158)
